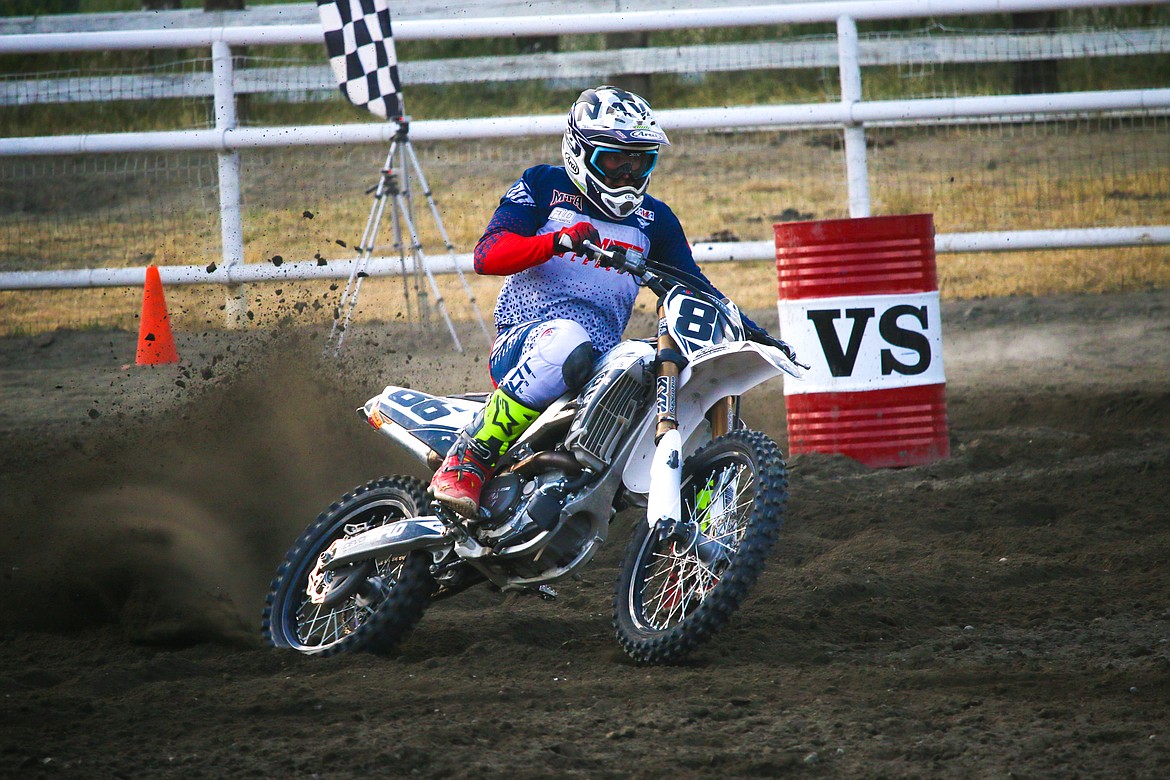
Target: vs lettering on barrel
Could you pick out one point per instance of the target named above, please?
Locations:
(890, 341)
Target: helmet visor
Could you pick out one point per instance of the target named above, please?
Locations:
(623, 163)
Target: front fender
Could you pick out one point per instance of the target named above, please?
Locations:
(713, 373)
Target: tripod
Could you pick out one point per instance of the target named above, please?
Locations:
(394, 183)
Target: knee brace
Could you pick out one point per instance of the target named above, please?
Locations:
(568, 346)
(552, 355)
(578, 365)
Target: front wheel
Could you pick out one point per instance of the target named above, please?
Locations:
(677, 588)
(371, 605)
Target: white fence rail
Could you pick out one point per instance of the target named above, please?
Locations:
(306, 13)
(851, 112)
(1020, 240)
(297, 80)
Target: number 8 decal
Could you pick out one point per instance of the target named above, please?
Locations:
(696, 320)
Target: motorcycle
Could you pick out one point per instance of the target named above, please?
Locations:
(656, 427)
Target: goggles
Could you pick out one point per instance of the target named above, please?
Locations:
(620, 164)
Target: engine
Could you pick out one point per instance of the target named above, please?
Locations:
(526, 524)
(520, 509)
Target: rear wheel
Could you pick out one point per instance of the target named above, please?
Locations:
(370, 605)
(678, 587)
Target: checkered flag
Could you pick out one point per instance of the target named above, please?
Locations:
(361, 53)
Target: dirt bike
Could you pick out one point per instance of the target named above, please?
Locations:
(361, 576)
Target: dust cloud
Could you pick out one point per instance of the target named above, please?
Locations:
(171, 526)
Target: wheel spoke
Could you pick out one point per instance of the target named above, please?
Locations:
(677, 582)
(665, 570)
(675, 593)
(330, 625)
(318, 625)
(310, 629)
(675, 586)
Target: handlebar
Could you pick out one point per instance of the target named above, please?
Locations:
(621, 258)
(660, 280)
(632, 262)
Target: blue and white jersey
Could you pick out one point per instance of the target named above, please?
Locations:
(545, 200)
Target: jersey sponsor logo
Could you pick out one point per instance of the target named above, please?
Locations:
(520, 194)
(561, 214)
(564, 197)
(645, 214)
(607, 243)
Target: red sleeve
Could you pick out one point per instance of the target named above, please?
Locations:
(503, 253)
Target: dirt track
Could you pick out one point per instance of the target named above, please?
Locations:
(1004, 613)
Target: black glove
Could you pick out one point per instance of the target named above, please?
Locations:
(573, 238)
(761, 336)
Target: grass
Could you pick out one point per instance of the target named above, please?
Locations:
(723, 186)
(125, 211)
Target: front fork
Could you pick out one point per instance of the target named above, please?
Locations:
(724, 416)
(664, 501)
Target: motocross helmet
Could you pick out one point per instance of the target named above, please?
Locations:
(610, 148)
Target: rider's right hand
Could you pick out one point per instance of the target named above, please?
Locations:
(573, 238)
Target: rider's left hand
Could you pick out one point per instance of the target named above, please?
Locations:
(761, 336)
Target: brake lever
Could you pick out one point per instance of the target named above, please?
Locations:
(606, 258)
(599, 254)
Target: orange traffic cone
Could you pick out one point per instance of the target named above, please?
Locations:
(155, 342)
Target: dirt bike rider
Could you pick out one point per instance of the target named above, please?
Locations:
(557, 310)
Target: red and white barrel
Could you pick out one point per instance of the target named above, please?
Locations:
(859, 302)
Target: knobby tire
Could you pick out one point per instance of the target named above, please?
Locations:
(378, 627)
(645, 618)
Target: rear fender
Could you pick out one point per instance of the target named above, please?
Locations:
(713, 373)
(422, 423)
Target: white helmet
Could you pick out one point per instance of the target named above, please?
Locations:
(610, 147)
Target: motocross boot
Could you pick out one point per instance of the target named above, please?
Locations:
(473, 457)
